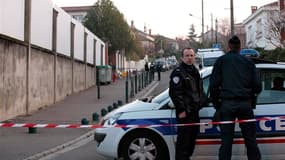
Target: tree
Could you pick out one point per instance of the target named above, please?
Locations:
(106, 21)
(159, 44)
(225, 29)
(192, 34)
(192, 39)
(134, 50)
(276, 25)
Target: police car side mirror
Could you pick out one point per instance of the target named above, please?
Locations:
(171, 104)
(200, 66)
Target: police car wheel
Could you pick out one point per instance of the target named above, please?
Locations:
(143, 145)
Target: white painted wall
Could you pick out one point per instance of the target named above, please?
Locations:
(63, 32)
(12, 25)
(41, 23)
(78, 40)
(12, 18)
(98, 52)
(90, 47)
(257, 26)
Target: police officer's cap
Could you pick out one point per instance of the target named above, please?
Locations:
(234, 40)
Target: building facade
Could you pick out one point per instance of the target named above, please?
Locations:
(257, 27)
(240, 32)
(78, 12)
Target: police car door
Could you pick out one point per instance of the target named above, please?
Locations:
(271, 104)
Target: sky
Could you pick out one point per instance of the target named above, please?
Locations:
(171, 17)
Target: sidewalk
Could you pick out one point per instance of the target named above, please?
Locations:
(17, 143)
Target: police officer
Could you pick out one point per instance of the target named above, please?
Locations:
(186, 92)
(233, 86)
(158, 69)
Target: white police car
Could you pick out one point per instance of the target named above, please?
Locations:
(209, 56)
(133, 139)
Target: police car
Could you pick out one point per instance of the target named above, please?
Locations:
(127, 132)
(209, 56)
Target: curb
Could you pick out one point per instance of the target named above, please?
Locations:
(76, 143)
(146, 91)
(87, 137)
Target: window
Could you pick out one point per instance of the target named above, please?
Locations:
(258, 29)
(78, 17)
(269, 93)
(206, 83)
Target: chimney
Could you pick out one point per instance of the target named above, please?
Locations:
(281, 4)
(253, 9)
(132, 24)
(144, 28)
(149, 32)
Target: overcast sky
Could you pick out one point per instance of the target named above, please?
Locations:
(171, 17)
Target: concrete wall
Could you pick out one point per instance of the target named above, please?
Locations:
(44, 87)
(90, 75)
(12, 79)
(61, 59)
(79, 77)
(42, 78)
(63, 78)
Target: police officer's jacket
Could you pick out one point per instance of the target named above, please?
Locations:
(186, 88)
(234, 77)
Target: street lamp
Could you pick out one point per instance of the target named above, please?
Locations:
(202, 34)
(232, 18)
(202, 21)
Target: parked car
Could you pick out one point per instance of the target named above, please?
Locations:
(209, 56)
(125, 132)
(250, 52)
(161, 64)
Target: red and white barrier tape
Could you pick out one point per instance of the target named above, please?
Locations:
(32, 125)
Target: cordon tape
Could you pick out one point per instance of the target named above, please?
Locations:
(33, 125)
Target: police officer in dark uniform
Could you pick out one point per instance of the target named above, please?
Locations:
(186, 92)
(233, 86)
(158, 69)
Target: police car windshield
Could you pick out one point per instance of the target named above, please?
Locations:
(161, 97)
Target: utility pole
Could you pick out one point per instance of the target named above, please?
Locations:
(216, 30)
(202, 22)
(232, 18)
(212, 30)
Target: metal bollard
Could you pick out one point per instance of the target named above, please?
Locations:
(127, 91)
(32, 130)
(136, 83)
(95, 116)
(84, 121)
(115, 105)
(120, 103)
(132, 92)
(109, 108)
(103, 112)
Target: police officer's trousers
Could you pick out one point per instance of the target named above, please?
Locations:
(241, 109)
(186, 137)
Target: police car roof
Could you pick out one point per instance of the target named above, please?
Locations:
(210, 53)
(270, 66)
(208, 49)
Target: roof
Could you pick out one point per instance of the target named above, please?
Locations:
(268, 7)
(77, 8)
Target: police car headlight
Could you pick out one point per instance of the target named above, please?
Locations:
(110, 121)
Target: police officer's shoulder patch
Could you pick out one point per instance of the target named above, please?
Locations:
(177, 69)
(176, 79)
